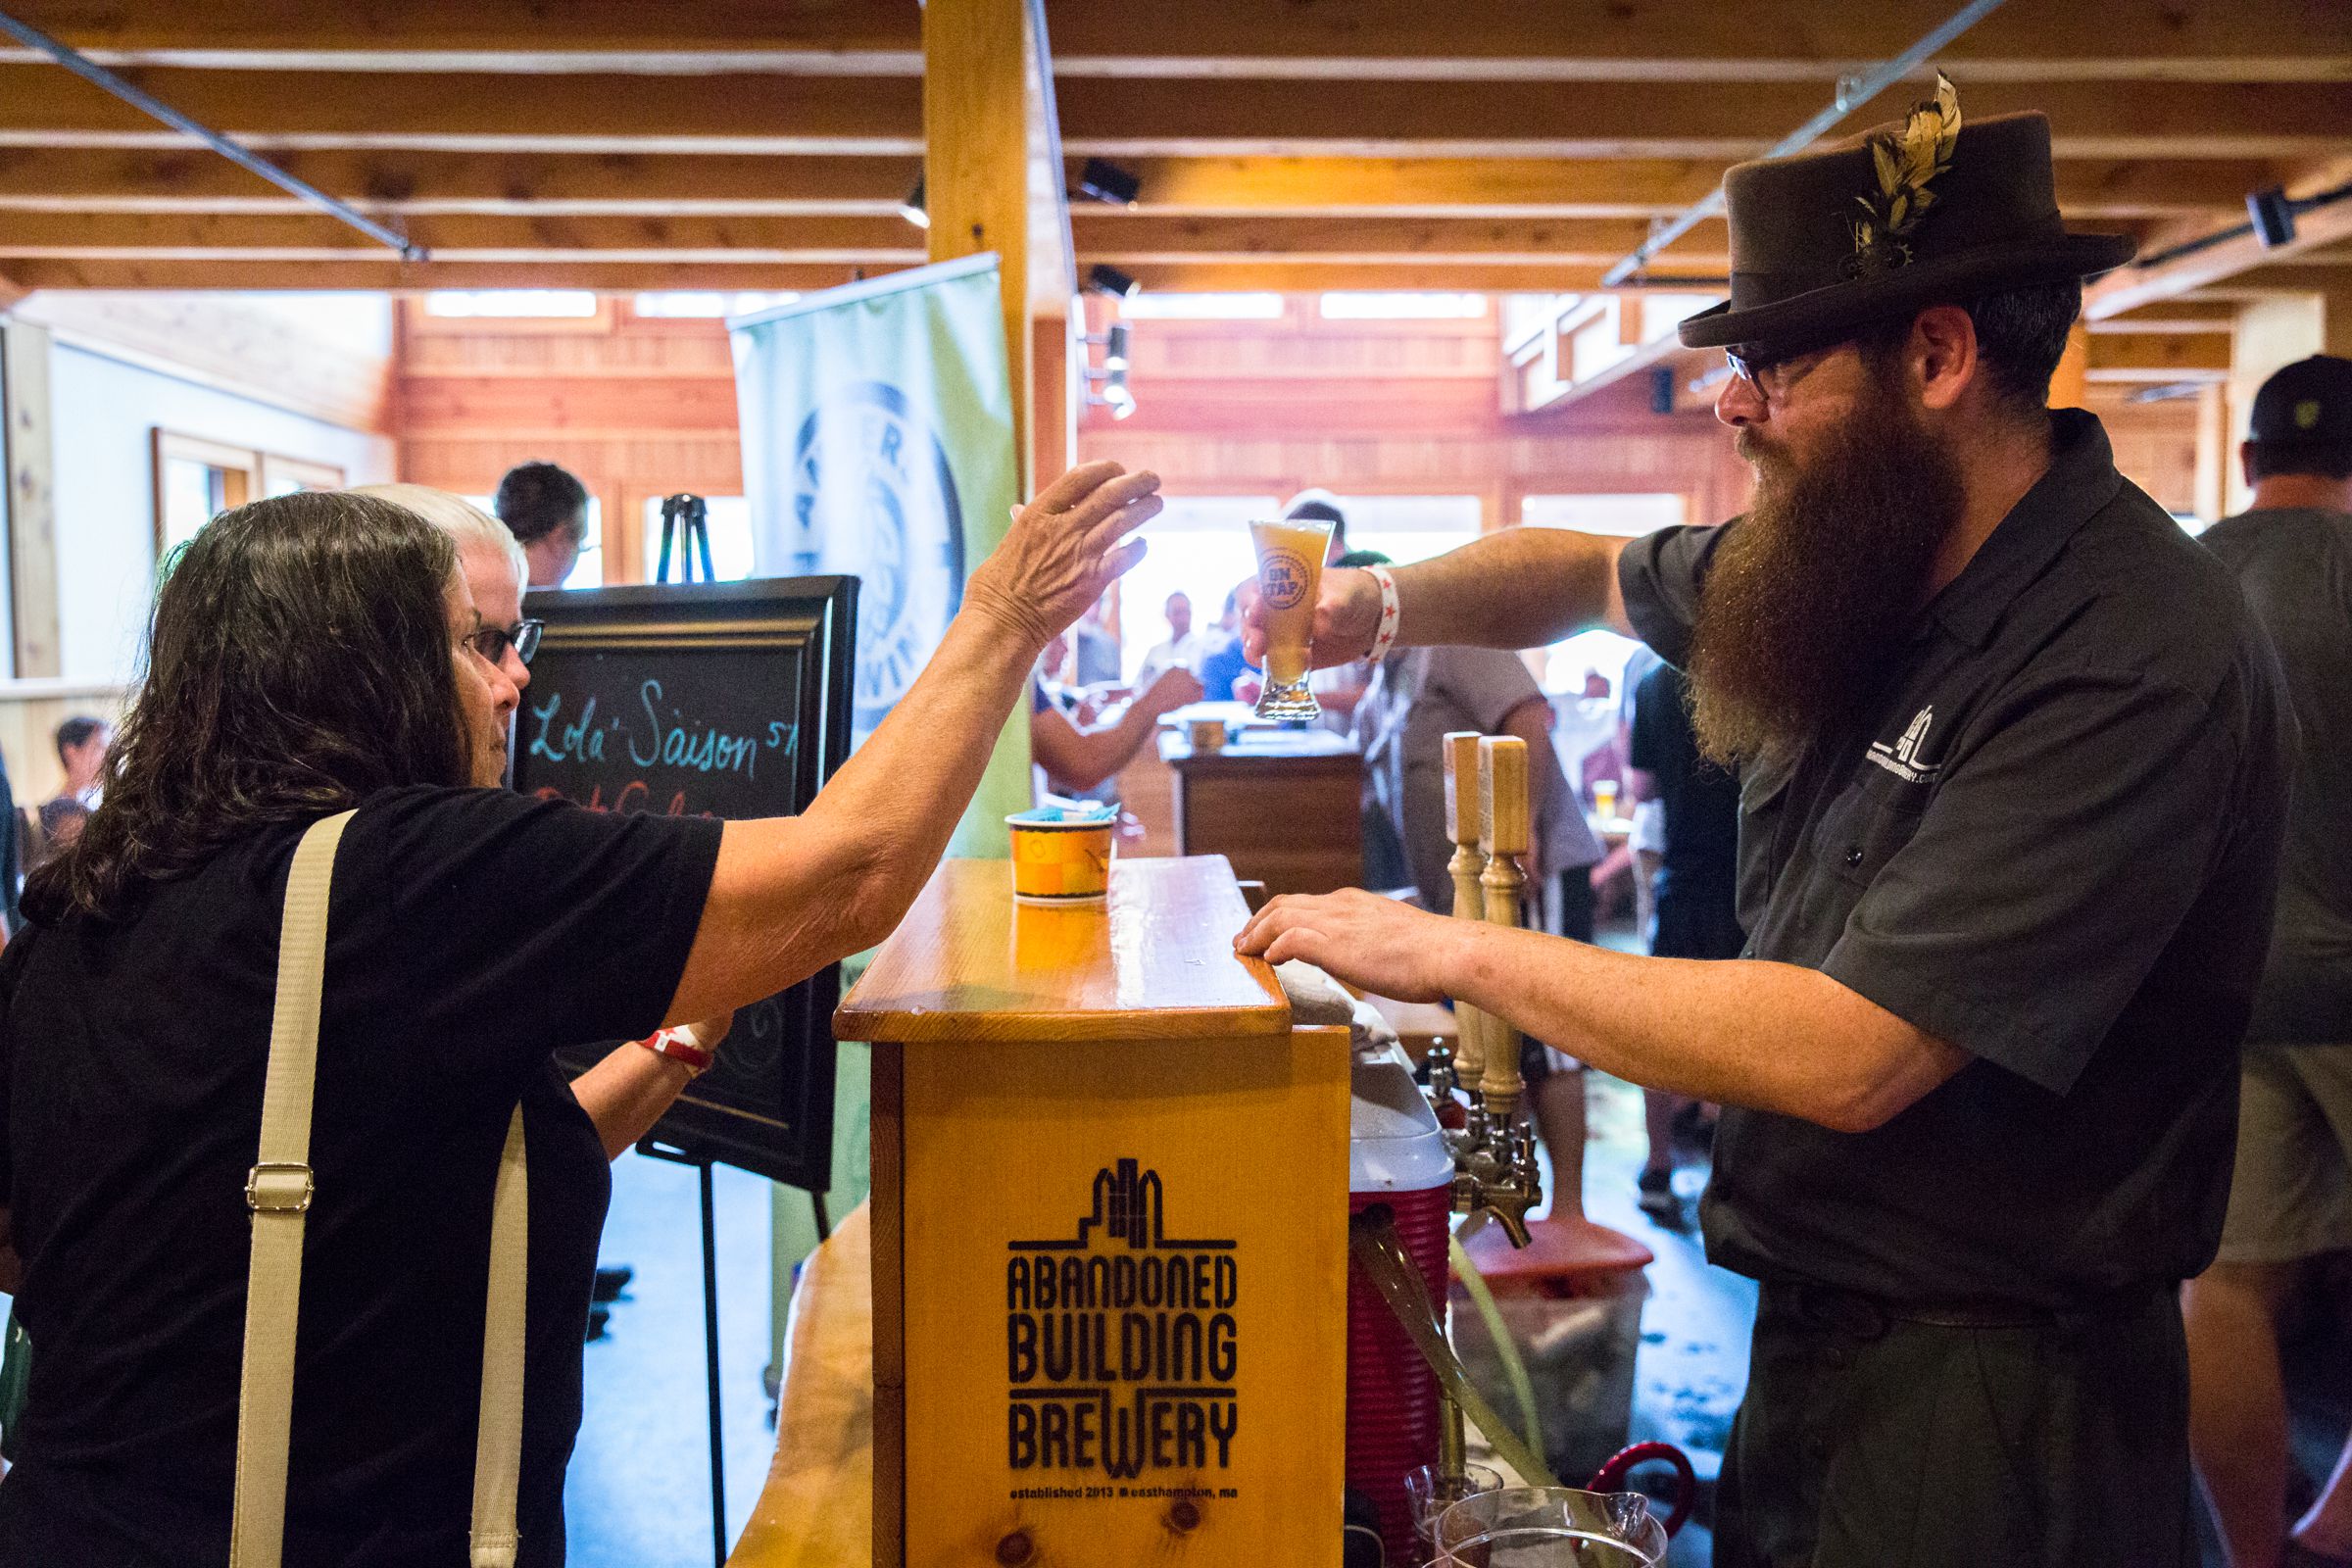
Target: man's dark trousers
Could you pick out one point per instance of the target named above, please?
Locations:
(1872, 1440)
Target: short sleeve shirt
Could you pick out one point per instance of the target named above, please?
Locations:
(2295, 566)
(1417, 699)
(470, 933)
(2053, 845)
(1701, 799)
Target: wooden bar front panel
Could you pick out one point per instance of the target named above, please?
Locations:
(1292, 822)
(1151, 1421)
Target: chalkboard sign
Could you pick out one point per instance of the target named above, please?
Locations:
(728, 700)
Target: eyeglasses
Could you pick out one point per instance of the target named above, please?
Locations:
(492, 642)
(1768, 371)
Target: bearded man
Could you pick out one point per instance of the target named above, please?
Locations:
(2011, 752)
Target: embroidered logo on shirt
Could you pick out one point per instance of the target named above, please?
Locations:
(1902, 759)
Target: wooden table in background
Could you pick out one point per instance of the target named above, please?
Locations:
(1285, 806)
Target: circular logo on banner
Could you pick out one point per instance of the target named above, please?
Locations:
(1282, 579)
(873, 498)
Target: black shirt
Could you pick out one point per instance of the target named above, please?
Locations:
(470, 932)
(1701, 800)
(2297, 570)
(2054, 846)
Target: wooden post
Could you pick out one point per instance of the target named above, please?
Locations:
(976, 94)
(1504, 835)
(1469, 898)
(31, 453)
(2211, 486)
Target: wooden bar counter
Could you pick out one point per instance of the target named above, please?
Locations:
(1285, 806)
(1108, 1240)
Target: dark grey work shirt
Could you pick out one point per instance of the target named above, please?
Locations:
(2055, 846)
(2295, 568)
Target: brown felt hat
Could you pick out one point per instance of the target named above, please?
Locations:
(1828, 240)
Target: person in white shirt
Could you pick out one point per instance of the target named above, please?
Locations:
(1182, 646)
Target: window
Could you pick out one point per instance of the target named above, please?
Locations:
(1200, 548)
(1409, 528)
(1404, 307)
(706, 304)
(1567, 663)
(511, 302)
(729, 518)
(1154, 306)
(282, 476)
(195, 481)
(1628, 516)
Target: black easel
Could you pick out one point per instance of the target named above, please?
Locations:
(690, 511)
(695, 513)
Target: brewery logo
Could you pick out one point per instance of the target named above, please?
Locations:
(1902, 759)
(1282, 579)
(873, 496)
(1121, 1347)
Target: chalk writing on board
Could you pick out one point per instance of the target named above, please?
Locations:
(651, 740)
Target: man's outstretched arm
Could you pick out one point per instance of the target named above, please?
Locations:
(1770, 1036)
(1520, 588)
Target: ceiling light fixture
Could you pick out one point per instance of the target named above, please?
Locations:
(912, 209)
(2273, 217)
(1113, 282)
(1105, 181)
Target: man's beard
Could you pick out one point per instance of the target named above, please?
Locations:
(1809, 598)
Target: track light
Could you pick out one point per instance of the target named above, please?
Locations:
(1104, 181)
(1114, 347)
(1113, 282)
(1117, 399)
(2273, 217)
(912, 209)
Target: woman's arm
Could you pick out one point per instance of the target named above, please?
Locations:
(632, 1088)
(793, 894)
(1077, 759)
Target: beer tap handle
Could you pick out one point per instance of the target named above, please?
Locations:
(1503, 836)
(1469, 903)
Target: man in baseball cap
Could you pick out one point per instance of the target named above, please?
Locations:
(2290, 1200)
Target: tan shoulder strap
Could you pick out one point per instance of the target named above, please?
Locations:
(498, 1449)
(278, 1192)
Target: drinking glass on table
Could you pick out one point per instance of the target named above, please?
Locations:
(1290, 570)
(1428, 1492)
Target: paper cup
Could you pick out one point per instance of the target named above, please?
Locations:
(1058, 860)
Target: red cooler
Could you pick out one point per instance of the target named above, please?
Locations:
(1398, 1158)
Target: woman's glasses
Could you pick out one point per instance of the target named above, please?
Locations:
(492, 642)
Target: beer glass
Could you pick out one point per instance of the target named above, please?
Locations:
(1549, 1527)
(1290, 570)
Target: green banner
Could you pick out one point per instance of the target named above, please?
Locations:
(878, 442)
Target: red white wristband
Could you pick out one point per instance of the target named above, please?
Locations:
(1385, 636)
(681, 1047)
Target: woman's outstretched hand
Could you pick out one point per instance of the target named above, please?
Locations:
(1064, 549)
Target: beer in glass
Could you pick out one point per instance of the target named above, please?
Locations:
(1290, 570)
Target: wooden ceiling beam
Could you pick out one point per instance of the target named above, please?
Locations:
(1120, 237)
(45, 106)
(2164, 357)
(316, 236)
(1761, 40)
(2240, 257)
(418, 183)
(2169, 316)
(1634, 120)
(729, 29)
(394, 277)
(105, 179)
(1529, 187)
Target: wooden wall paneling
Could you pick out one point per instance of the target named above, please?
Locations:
(29, 443)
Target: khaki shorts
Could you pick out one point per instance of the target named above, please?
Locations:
(2291, 1194)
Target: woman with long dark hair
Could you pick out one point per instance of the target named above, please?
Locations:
(310, 655)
